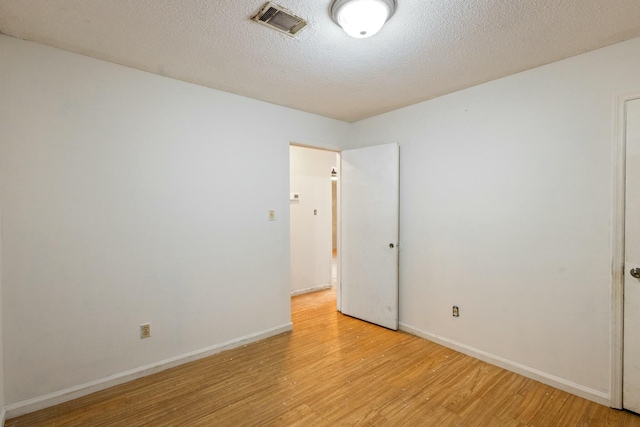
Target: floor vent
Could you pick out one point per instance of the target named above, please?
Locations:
(280, 19)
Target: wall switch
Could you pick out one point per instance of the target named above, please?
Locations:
(456, 311)
(272, 215)
(145, 330)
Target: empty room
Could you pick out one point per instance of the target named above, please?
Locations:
(479, 258)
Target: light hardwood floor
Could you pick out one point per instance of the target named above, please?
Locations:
(332, 370)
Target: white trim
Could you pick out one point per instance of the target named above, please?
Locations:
(617, 252)
(3, 417)
(71, 393)
(617, 247)
(322, 147)
(543, 377)
(309, 290)
(339, 234)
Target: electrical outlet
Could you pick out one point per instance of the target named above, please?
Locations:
(456, 311)
(145, 330)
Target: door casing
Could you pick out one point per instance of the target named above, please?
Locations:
(618, 236)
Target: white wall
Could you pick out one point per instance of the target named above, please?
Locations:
(128, 198)
(311, 234)
(506, 197)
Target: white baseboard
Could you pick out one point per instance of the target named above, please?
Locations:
(2, 417)
(71, 393)
(309, 290)
(526, 371)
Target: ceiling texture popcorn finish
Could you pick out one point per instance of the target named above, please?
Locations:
(427, 49)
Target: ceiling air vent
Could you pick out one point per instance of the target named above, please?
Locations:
(279, 18)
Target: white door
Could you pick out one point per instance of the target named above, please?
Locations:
(369, 234)
(631, 361)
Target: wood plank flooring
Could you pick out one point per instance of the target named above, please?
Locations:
(332, 370)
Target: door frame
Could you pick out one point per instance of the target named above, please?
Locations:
(336, 150)
(617, 264)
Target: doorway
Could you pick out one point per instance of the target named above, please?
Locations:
(313, 199)
(366, 228)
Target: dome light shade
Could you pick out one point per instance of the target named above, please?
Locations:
(362, 18)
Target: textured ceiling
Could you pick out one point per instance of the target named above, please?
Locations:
(427, 49)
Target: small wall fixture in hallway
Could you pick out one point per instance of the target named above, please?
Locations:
(362, 18)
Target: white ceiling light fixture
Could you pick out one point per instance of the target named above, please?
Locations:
(362, 18)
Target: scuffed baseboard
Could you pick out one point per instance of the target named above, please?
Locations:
(526, 371)
(308, 290)
(25, 407)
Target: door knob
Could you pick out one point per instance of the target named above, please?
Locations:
(392, 246)
(635, 272)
